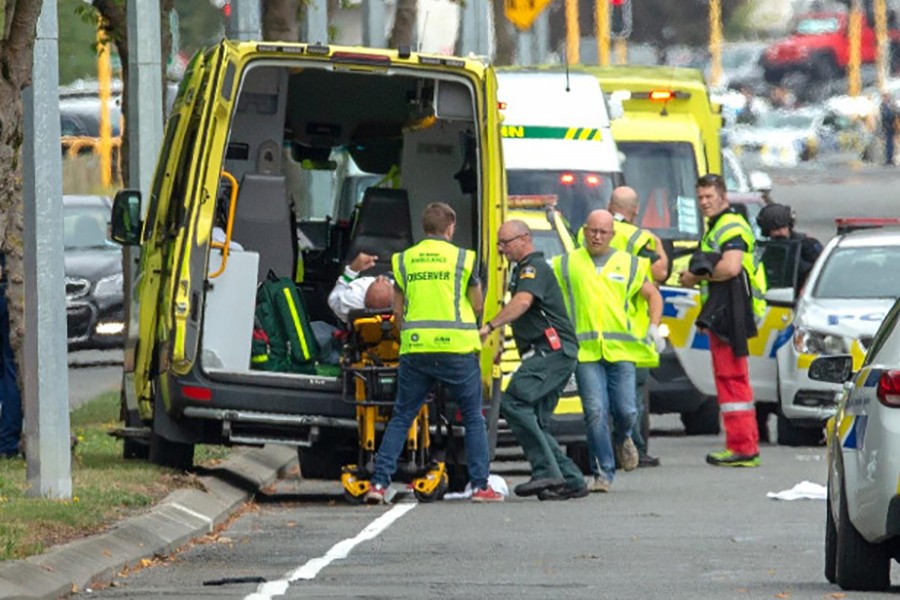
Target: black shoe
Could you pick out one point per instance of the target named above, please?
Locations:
(645, 460)
(564, 493)
(536, 486)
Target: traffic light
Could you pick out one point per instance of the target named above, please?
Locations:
(620, 18)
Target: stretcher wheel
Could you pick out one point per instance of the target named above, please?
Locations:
(437, 494)
(354, 500)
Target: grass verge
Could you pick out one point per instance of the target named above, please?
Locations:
(105, 487)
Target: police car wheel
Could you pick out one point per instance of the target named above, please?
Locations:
(830, 541)
(859, 564)
(704, 420)
(793, 436)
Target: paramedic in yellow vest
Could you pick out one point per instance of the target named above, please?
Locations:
(728, 234)
(600, 285)
(547, 346)
(624, 204)
(437, 300)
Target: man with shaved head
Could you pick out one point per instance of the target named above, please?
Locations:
(601, 285)
(547, 346)
(624, 205)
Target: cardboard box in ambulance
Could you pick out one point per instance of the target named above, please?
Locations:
(557, 140)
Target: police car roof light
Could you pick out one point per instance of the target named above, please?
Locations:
(889, 389)
(848, 224)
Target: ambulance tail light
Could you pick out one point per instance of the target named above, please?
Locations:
(501, 105)
(659, 95)
(889, 389)
(567, 179)
(194, 392)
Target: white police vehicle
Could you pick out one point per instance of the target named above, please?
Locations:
(848, 292)
(862, 532)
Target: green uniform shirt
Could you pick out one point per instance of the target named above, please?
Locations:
(533, 275)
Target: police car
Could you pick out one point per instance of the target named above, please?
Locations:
(848, 292)
(862, 531)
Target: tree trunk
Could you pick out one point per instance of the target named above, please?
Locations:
(404, 24)
(16, 59)
(279, 20)
(505, 43)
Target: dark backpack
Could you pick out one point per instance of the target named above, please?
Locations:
(283, 340)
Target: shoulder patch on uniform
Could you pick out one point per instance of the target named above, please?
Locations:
(528, 272)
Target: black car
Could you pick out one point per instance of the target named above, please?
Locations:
(94, 299)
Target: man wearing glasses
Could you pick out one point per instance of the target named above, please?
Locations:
(547, 346)
(601, 285)
(731, 293)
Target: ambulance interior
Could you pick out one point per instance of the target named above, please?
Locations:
(419, 132)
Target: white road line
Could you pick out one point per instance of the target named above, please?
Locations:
(337, 552)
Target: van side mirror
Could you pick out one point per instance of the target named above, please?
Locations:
(125, 224)
(783, 297)
(832, 369)
(760, 181)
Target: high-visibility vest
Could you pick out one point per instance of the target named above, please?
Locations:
(727, 227)
(599, 304)
(632, 240)
(437, 315)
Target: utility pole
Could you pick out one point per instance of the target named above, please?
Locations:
(854, 31)
(314, 23)
(246, 21)
(715, 42)
(881, 40)
(474, 28)
(573, 33)
(621, 50)
(601, 22)
(104, 81)
(48, 469)
(373, 24)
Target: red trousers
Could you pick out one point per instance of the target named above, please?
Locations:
(735, 398)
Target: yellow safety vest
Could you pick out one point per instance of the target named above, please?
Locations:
(599, 304)
(632, 239)
(437, 314)
(727, 227)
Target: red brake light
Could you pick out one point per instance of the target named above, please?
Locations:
(193, 392)
(889, 389)
(567, 179)
(592, 180)
(226, 10)
(501, 105)
(617, 2)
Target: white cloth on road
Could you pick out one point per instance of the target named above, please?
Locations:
(805, 490)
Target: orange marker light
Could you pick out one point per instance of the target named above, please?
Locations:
(567, 179)
(592, 180)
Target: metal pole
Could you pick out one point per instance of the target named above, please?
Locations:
(525, 43)
(246, 21)
(881, 61)
(541, 30)
(621, 48)
(601, 18)
(46, 386)
(573, 33)
(475, 28)
(715, 42)
(314, 24)
(374, 33)
(854, 31)
(104, 81)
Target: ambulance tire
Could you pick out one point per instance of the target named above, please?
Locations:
(704, 420)
(319, 463)
(580, 455)
(859, 564)
(175, 455)
(132, 448)
(793, 436)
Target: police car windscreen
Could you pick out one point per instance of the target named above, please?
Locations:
(664, 175)
(862, 272)
(577, 192)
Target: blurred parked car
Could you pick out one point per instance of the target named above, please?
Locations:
(787, 138)
(93, 263)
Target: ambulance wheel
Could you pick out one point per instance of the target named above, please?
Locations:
(704, 420)
(354, 500)
(437, 494)
(580, 455)
(175, 455)
(131, 447)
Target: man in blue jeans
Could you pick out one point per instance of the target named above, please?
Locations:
(600, 285)
(437, 297)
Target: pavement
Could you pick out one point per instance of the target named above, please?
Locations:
(184, 515)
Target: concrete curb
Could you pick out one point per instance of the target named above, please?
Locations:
(183, 515)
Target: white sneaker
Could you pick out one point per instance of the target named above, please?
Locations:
(599, 484)
(627, 455)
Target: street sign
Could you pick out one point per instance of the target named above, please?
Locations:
(522, 13)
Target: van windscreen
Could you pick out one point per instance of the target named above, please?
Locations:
(577, 192)
(664, 174)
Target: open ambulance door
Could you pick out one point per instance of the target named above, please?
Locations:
(682, 306)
